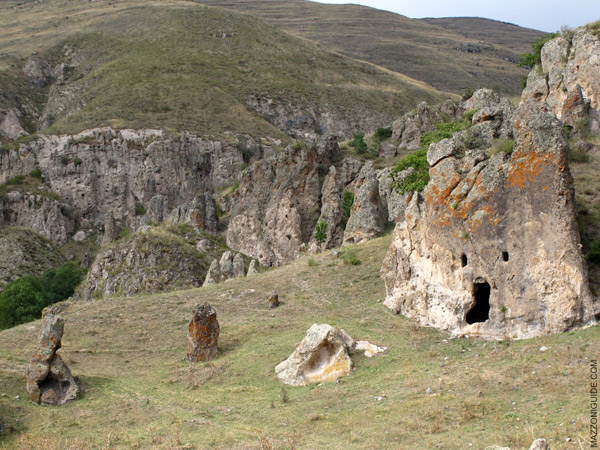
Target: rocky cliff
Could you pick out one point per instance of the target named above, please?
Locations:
(491, 246)
(568, 81)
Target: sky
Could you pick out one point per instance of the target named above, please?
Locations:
(544, 15)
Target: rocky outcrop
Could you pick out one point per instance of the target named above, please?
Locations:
(39, 211)
(568, 83)
(25, 252)
(49, 380)
(150, 261)
(368, 214)
(10, 126)
(493, 115)
(491, 246)
(411, 126)
(321, 356)
(201, 213)
(137, 175)
(278, 203)
(230, 265)
(203, 334)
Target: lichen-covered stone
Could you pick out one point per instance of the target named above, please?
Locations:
(203, 334)
(273, 300)
(321, 356)
(490, 247)
(49, 380)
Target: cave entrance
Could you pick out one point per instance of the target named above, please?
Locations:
(480, 311)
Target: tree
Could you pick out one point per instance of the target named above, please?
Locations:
(320, 232)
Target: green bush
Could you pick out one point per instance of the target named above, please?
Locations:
(418, 179)
(77, 161)
(468, 93)
(24, 299)
(350, 258)
(64, 160)
(347, 202)
(36, 173)
(383, 133)
(16, 180)
(593, 255)
(320, 232)
(504, 146)
(535, 57)
(358, 142)
(140, 210)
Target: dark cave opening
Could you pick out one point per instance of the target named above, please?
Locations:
(463, 260)
(480, 312)
(505, 256)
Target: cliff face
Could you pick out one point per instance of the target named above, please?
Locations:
(568, 83)
(491, 246)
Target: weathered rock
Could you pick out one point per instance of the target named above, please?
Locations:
(368, 215)
(203, 335)
(410, 127)
(569, 81)
(239, 267)
(213, 275)
(321, 356)
(387, 150)
(491, 245)
(201, 213)
(369, 349)
(392, 201)
(273, 300)
(494, 115)
(49, 380)
(277, 204)
(226, 265)
(252, 269)
(10, 126)
(539, 444)
(111, 230)
(150, 261)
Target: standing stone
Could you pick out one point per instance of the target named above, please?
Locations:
(226, 265)
(203, 334)
(239, 268)
(273, 300)
(213, 275)
(252, 268)
(49, 380)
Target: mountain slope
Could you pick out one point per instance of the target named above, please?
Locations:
(444, 58)
(179, 65)
(140, 392)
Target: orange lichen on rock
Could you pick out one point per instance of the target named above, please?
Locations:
(526, 169)
(203, 334)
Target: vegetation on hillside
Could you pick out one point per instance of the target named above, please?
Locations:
(534, 58)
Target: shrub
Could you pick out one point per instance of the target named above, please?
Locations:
(320, 232)
(312, 263)
(36, 173)
(24, 299)
(140, 210)
(504, 146)
(468, 93)
(16, 180)
(347, 202)
(383, 133)
(535, 57)
(350, 258)
(469, 114)
(77, 161)
(593, 255)
(358, 142)
(64, 160)
(418, 179)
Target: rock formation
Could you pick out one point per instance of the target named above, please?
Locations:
(252, 269)
(568, 83)
(150, 261)
(231, 265)
(321, 356)
(49, 380)
(201, 213)
(491, 246)
(273, 300)
(411, 126)
(203, 335)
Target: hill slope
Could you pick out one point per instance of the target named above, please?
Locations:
(447, 57)
(130, 354)
(179, 65)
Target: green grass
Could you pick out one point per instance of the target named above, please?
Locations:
(140, 391)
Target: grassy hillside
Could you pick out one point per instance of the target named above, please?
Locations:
(141, 393)
(435, 54)
(179, 65)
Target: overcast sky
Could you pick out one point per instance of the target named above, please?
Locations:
(545, 15)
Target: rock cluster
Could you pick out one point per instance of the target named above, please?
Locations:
(231, 265)
(203, 334)
(49, 380)
(568, 83)
(491, 245)
(411, 126)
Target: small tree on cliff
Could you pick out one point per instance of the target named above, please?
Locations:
(320, 232)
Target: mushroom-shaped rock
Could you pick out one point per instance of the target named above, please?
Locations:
(49, 380)
(321, 356)
(203, 334)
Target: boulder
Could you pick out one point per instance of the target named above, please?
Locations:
(213, 275)
(273, 300)
(49, 380)
(239, 267)
(491, 246)
(321, 356)
(252, 269)
(539, 444)
(387, 150)
(203, 334)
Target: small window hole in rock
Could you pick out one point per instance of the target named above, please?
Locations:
(463, 260)
(504, 256)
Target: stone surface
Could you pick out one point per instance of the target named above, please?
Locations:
(230, 265)
(569, 81)
(539, 444)
(252, 268)
(490, 247)
(387, 150)
(203, 334)
(49, 380)
(10, 125)
(410, 127)
(201, 213)
(273, 300)
(239, 267)
(369, 349)
(321, 356)
(111, 230)
(368, 214)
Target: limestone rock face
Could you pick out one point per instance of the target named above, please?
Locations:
(201, 213)
(49, 380)
(10, 125)
(490, 247)
(203, 335)
(410, 127)
(569, 84)
(368, 214)
(111, 230)
(494, 116)
(277, 204)
(321, 356)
